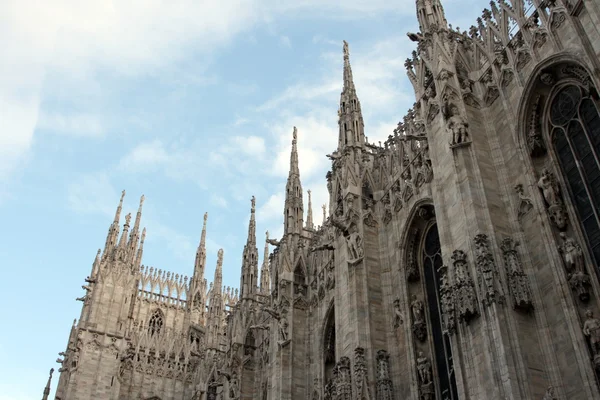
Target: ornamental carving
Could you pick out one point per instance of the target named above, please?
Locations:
(418, 318)
(343, 380)
(518, 284)
(575, 266)
(464, 289)
(360, 375)
(535, 141)
(412, 272)
(489, 283)
(384, 383)
(447, 297)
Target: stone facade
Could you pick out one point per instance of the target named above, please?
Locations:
(458, 260)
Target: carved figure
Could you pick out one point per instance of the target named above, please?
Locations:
(549, 395)
(316, 395)
(463, 289)
(348, 226)
(518, 283)
(572, 254)
(549, 188)
(424, 368)
(398, 317)
(234, 390)
(418, 325)
(591, 329)
(456, 124)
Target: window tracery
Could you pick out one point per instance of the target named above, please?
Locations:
(155, 323)
(573, 121)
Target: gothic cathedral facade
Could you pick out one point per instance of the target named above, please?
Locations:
(460, 259)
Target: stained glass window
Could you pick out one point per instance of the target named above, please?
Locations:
(432, 261)
(575, 130)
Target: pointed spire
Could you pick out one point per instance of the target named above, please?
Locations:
(218, 280)
(113, 230)
(324, 213)
(201, 253)
(47, 388)
(252, 223)
(294, 209)
(138, 217)
(294, 168)
(123, 242)
(348, 79)
(309, 215)
(430, 14)
(140, 251)
(350, 122)
(265, 274)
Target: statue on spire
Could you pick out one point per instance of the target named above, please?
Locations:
(253, 201)
(295, 134)
(346, 51)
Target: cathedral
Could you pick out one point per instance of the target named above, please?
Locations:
(458, 260)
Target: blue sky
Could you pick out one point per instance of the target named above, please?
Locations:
(191, 103)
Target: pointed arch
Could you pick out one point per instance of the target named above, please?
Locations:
(567, 145)
(329, 343)
(300, 271)
(156, 322)
(422, 260)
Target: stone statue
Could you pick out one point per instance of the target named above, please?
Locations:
(234, 389)
(398, 317)
(316, 395)
(549, 395)
(348, 225)
(283, 330)
(572, 254)
(591, 328)
(417, 310)
(456, 124)
(549, 188)
(424, 368)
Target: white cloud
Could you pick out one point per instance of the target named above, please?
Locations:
(93, 193)
(148, 155)
(78, 125)
(218, 200)
(285, 41)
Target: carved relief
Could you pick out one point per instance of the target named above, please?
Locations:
(464, 289)
(535, 141)
(384, 383)
(343, 379)
(316, 394)
(426, 388)
(551, 193)
(518, 284)
(418, 318)
(360, 374)
(387, 209)
(525, 203)
(412, 272)
(575, 266)
(447, 301)
(488, 272)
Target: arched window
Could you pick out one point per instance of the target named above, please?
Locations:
(329, 345)
(431, 258)
(574, 127)
(155, 323)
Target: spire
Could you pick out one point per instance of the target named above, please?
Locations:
(348, 79)
(324, 206)
(252, 225)
(218, 280)
(140, 251)
(309, 215)
(134, 236)
(294, 209)
(351, 125)
(201, 253)
(122, 242)
(47, 388)
(294, 169)
(249, 276)
(113, 230)
(430, 14)
(265, 278)
(138, 217)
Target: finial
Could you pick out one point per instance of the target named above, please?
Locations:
(122, 195)
(220, 257)
(267, 235)
(205, 217)
(346, 51)
(127, 219)
(295, 134)
(253, 201)
(141, 200)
